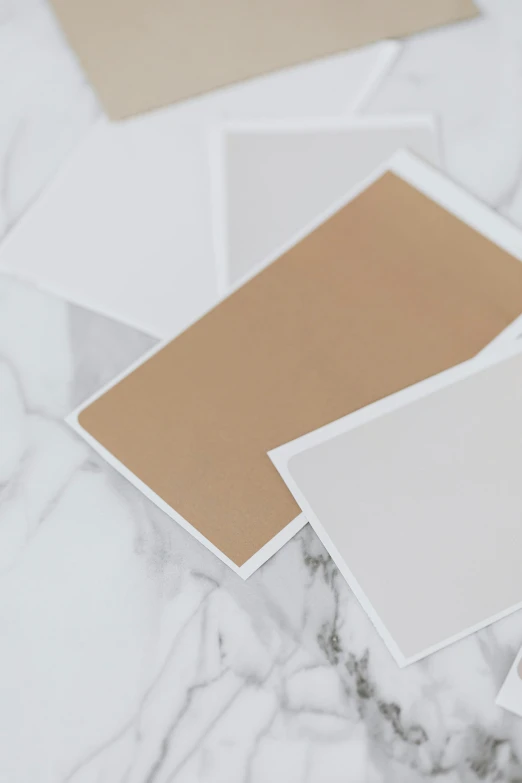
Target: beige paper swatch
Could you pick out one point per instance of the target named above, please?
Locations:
(389, 290)
(142, 54)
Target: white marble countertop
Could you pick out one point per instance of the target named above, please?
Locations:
(127, 651)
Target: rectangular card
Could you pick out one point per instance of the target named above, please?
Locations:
(510, 695)
(143, 54)
(386, 289)
(272, 177)
(417, 498)
(125, 229)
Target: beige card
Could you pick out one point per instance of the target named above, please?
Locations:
(389, 289)
(142, 54)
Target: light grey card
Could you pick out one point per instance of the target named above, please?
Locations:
(418, 498)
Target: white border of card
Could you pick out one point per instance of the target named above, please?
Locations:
(427, 180)
(302, 125)
(283, 454)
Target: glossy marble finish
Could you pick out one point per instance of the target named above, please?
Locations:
(128, 653)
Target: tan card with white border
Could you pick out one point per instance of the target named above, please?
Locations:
(386, 289)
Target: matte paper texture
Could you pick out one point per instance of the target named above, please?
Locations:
(387, 291)
(419, 501)
(126, 227)
(141, 54)
(274, 177)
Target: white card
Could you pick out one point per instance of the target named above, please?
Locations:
(272, 177)
(417, 498)
(125, 229)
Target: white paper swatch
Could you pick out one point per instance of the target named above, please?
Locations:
(125, 229)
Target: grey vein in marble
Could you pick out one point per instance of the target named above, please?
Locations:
(128, 653)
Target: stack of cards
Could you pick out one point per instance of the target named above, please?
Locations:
(126, 227)
(332, 308)
(398, 281)
(374, 358)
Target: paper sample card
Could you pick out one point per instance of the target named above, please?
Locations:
(273, 177)
(417, 498)
(510, 695)
(126, 227)
(145, 54)
(386, 289)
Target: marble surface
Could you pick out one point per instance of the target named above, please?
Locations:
(128, 653)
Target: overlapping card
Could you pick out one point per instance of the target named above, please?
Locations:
(400, 280)
(357, 318)
(142, 54)
(273, 177)
(417, 497)
(126, 227)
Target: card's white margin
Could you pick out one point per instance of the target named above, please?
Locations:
(245, 570)
(390, 53)
(438, 187)
(217, 141)
(296, 125)
(282, 455)
(432, 183)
